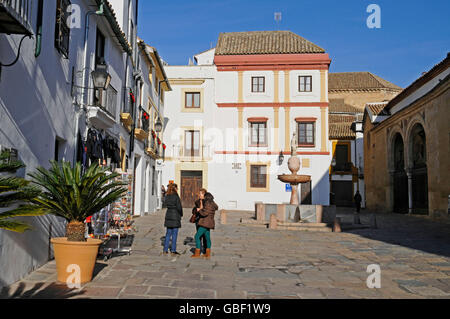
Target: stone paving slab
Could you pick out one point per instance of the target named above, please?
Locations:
(254, 263)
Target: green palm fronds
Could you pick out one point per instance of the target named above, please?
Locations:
(16, 192)
(68, 193)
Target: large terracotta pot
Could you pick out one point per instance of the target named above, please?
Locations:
(82, 254)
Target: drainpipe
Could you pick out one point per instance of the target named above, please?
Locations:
(84, 101)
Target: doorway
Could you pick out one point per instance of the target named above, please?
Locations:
(400, 178)
(191, 183)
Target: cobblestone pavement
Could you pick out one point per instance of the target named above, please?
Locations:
(249, 262)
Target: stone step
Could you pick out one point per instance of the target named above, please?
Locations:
(313, 227)
(302, 224)
(254, 223)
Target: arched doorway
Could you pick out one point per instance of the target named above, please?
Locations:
(400, 177)
(418, 164)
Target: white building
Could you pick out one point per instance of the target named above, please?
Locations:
(48, 103)
(234, 112)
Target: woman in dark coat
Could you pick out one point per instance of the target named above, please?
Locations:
(206, 223)
(173, 219)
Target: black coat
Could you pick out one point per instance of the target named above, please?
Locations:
(174, 211)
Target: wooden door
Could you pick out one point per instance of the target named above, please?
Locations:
(343, 193)
(190, 186)
(400, 192)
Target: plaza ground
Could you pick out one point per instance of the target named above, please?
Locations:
(250, 262)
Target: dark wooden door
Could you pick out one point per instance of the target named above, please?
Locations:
(420, 190)
(305, 195)
(400, 192)
(343, 193)
(190, 186)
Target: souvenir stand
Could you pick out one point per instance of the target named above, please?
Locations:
(116, 224)
(113, 223)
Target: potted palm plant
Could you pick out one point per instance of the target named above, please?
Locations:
(15, 196)
(69, 193)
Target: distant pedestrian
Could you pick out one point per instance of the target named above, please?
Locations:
(358, 200)
(199, 205)
(206, 223)
(173, 219)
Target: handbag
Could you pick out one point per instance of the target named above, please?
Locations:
(193, 218)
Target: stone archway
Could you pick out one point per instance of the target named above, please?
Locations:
(400, 178)
(417, 173)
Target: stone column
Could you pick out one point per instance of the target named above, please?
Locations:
(410, 193)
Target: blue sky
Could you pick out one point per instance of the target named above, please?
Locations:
(414, 35)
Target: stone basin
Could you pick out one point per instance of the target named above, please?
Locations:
(294, 179)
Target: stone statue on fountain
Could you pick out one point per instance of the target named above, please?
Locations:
(294, 145)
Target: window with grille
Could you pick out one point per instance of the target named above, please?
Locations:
(306, 133)
(192, 100)
(305, 83)
(258, 176)
(258, 84)
(258, 134)
(62, 30)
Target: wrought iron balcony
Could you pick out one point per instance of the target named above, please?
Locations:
(343, 168)
(15, 17)
(199, 155)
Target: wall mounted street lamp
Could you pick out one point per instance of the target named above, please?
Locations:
(101, 77)
(280, 158)
(158, 125)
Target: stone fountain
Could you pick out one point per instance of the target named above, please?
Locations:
(293, 216)
(294, 179)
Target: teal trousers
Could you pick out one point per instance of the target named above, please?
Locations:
(200, 232)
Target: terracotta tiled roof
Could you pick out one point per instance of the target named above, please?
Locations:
(358, 81)
(341, 131)
(264, 42)
(338, 105)
(378, 108)
(339, 126)
(340, 119)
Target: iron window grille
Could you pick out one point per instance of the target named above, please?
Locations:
(62, 30)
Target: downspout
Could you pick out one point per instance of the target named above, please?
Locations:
(84, 101)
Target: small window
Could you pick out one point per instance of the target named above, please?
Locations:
(192, 100)
(306, 133)
(258, 134)
(305, 83)
(258, 176)
(62, 30)
(258, 84)
(100, 48)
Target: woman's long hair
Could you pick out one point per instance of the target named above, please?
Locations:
(209, 197)
(172, 189)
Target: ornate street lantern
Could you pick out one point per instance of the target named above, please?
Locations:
(101, 77)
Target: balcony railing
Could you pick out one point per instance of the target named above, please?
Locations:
(15, 17)
(183, 154)
(107, 100)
